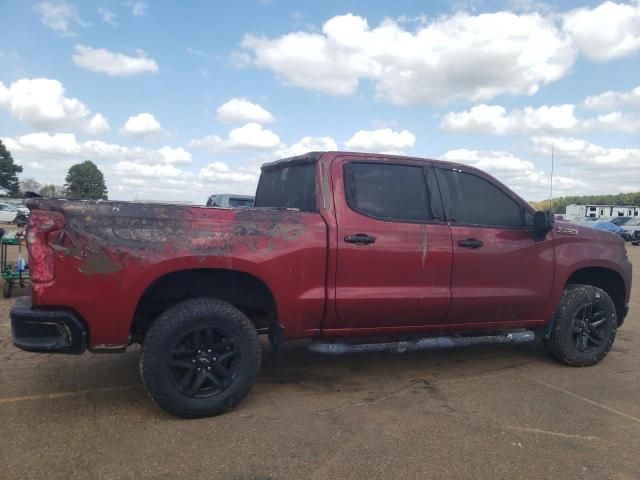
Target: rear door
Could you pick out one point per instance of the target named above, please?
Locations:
(500, 272)
(394, 250)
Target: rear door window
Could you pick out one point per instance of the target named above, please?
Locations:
(388, 191)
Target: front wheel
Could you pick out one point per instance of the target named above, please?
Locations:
(20, 221)
(200, 358)
(584, 326)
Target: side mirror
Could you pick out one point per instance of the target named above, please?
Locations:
(543, 221)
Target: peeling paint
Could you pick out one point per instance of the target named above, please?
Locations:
(104, 236)
(424, 244)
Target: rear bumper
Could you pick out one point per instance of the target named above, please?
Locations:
(46, 331)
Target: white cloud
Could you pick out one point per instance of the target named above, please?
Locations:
(608, 31)
(383, 140)
(218, 171)
(130, 172)
(60, 17)
(108, 16)
(458, 56)
(614, 121)
(115, 64)
(97, 125)
(519, 175)
(138, 8)
(41, 104)
(611, 100)
(305, 145)
(241, 110)
(602, 169)
(248, 137)
(496, 120)
(60, 146)
(142, 125)
(174, 155)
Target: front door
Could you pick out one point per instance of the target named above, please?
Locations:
(394, 255)
(500, 273)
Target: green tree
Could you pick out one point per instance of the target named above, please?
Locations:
(53, 191)
(9, 172)
(85, 180)
(29, 185)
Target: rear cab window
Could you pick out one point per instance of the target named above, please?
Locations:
(288, 186)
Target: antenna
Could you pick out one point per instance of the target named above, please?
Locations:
(553, 147)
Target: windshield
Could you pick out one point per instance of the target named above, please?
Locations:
(633, 223)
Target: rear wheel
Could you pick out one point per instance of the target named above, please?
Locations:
(200, 358)
(584, 326)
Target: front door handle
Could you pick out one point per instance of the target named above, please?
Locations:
(470, 243)
(360, 239)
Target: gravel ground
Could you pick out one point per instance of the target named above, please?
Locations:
(502, 412)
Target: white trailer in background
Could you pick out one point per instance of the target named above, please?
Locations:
(604, 211)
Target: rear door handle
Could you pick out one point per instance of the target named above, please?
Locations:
(360, 239)
(470, 243)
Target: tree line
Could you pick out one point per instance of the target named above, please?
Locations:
(558, 205)
(83, 181)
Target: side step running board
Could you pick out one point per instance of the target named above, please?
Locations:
(428, 343)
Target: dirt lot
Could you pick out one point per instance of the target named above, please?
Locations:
(486, 412)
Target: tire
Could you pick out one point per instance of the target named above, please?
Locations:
(190, 380)
(584, 326)
(20, 221)
(7, 289)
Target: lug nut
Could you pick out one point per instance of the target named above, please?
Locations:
(193, 361)
(199, 369)
(209, 351)
(214, 359)
(208, 368)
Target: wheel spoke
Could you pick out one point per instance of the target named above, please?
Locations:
(593, 340)
(182, 352)
(581, 342)
(196, 339)
(187, 379)
(209, 337)
(223, 372)
(197, 382)
(226, 356)
(214, 380)
(598, 323)
(222, 345)
(180, 364)
(588, 311)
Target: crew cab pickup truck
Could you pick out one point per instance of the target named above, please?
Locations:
(355, 251)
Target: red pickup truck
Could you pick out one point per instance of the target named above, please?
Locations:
(359, 252)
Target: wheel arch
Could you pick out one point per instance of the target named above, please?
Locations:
(245, 291)
(604, 278)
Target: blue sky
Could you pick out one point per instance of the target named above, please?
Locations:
(177, 100)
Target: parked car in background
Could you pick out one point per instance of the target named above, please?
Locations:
(10, 213)
(620, 220)
(632, 228)
(230, 201)
(613, 228)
